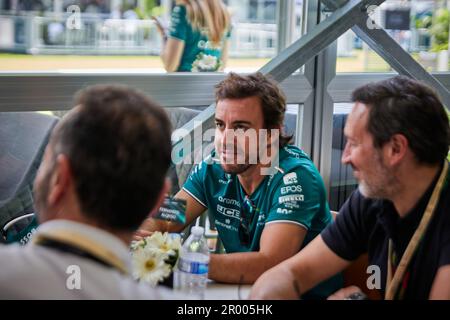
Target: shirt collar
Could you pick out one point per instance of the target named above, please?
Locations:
(102, 237)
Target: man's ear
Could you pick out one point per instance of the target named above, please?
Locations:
(60, 180)
(164, 192)
(270, 136)
(396, 149)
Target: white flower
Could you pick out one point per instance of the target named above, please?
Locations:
(150, 266)
(164, 242)
(205, 62)
(155, 256)
(136, 244)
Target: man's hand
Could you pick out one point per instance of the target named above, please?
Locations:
(270, 286)
(149, 226)
(140, 234)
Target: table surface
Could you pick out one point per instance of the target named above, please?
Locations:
(223, 291)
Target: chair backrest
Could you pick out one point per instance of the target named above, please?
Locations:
(23, 138)
(178, 173)
(20, 229)
(356, 273)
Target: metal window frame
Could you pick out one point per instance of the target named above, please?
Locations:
(315, 90)
(37, 91)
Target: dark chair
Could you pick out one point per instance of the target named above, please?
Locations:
(20, 229)
(23, 137)
(342, 181)
(355, 274)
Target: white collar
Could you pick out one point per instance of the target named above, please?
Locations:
(102, 237)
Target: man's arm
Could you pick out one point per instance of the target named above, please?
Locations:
(293, 277)
(441, 284)
(193, 210)
(278, 242)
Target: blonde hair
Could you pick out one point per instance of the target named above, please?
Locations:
(209, 16)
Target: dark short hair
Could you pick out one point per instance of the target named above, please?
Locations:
(118, 145)
(401, 105)
(273, 101)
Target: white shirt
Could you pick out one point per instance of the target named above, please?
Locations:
(39, 272)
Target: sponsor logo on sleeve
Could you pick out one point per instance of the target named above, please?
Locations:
(284, 211)
(290, 178)
(291, 198)
(292, 205)
(291, 189)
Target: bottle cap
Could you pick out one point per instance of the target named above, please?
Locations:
(197, 230)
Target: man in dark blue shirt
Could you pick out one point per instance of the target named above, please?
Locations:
(397, 144)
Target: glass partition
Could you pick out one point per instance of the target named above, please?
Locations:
(342, 182)
(420, 27)
(121, 34)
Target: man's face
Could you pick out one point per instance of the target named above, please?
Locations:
(238, 122)
(376, 180)
(41, 186)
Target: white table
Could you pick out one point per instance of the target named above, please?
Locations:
(222, 291)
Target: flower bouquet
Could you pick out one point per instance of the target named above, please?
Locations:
(206, 63)
(154, 257)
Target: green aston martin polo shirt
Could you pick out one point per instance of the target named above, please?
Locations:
(294, 194)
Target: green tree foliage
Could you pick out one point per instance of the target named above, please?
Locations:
(439, 29)
(149, 9)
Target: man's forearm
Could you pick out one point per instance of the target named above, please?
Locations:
(242, 267)
(278, 283)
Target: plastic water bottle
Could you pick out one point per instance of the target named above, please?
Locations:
(192, 274)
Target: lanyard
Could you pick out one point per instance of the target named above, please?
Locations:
(74, 242)
(393, 281)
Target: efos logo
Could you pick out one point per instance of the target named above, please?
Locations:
(288, 189)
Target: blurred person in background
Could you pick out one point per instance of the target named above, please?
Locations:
(198, 36)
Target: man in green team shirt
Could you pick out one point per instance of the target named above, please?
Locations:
(262, 219)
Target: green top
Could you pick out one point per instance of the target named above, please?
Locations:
(295, 193)
(199, 54)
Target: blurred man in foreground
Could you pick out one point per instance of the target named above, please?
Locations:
(103, 171)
